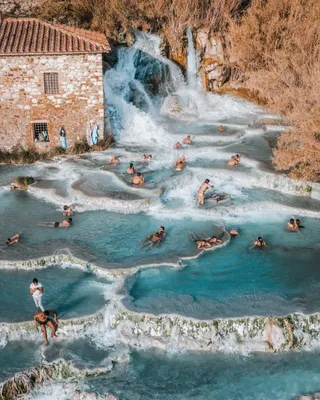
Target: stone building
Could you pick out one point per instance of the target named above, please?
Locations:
(51, 77)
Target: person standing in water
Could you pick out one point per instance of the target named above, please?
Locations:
(203, 188)
(42, 319)
(36, 290)
(131, 169)
(260, 243)
(138, 179)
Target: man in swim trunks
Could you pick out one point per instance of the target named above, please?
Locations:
(259, 242)
(203, 188)
(67, 210)
(36, 290)
(177, 145)
(187, 140)
(131, 169)
(179, 164)
(138, 179)
(66, 223)
(13, 240)
(42, 319)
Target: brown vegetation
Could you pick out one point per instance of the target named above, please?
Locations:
(19, 155)
(276, 44)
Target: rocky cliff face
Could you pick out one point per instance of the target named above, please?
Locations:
(20, 8)
(215, 67)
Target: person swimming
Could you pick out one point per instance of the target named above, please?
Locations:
(138, 179)
(114, 160)
(63, 224)
(187, 140)
(178, 145)
(221, 128)
(259, 242)
(201, 191)
(144, 159)
(13, 240)
(180, 163)
(149, 157)
(234, 232)
(155, 238)
(131, 169)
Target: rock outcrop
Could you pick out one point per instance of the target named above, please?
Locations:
(215, 63)
(247, 334)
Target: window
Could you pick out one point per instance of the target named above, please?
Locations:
(40, 132)
(51, 85)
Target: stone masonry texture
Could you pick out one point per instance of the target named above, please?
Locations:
(80, 100)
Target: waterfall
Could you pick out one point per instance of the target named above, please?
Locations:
(192, 62)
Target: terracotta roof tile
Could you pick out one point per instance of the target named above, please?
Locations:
(33, 36)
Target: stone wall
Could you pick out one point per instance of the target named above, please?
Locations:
(20, 8)
(23, 101)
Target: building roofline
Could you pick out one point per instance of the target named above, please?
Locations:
(28, 36)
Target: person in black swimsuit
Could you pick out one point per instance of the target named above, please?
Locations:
(66, 223)
(42, 319)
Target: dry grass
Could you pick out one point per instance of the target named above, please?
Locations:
(277, 45)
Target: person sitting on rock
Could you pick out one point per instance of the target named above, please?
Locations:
(138, 179)
(187, 140)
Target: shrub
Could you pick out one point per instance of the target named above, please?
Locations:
(80, 147)
(22, 182)
(277, 45)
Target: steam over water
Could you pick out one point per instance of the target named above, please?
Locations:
(118, 300)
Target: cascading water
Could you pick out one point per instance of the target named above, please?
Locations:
(192, 62)
(218, 299)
